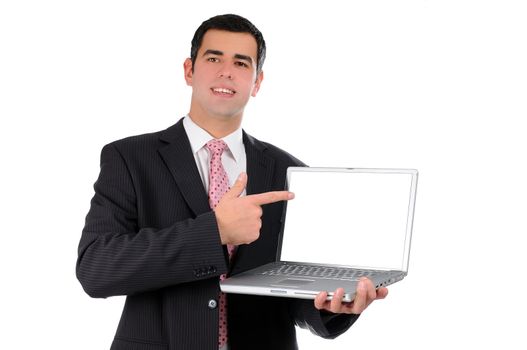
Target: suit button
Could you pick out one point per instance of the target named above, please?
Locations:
(212, 304)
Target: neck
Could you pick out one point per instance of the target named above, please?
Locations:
(218, 127)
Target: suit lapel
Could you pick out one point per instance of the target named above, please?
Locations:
(177, 155)
(260, 168)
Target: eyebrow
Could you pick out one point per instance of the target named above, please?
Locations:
(220, 53)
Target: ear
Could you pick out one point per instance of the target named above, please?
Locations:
(257, 83)
(187, 68)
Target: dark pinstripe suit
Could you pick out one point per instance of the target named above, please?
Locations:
(151, 235)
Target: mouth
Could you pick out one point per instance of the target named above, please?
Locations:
(222, 91)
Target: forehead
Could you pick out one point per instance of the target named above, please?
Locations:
(229, 43)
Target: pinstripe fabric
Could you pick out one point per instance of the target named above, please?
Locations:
(151, 235)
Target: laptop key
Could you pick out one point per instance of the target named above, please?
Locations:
(319, 272)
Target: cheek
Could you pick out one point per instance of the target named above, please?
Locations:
(202, 74)
(200, 85)
(248, 91)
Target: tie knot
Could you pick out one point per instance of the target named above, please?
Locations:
(216, 146)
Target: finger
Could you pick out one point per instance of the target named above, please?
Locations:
(270, 197)
(238, 187)
(359, 303)
(336, 302)
(320, 300)
(371, 293)
(382, 293)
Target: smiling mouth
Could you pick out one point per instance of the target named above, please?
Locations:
(223, 91)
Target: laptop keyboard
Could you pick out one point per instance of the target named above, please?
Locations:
(293, 270)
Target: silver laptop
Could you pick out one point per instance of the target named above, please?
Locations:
(344, 223)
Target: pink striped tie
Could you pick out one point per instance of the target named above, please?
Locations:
(218, 186)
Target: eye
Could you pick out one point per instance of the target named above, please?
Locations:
(213, 59)
(242, 64)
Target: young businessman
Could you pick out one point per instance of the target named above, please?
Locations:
(174, 211)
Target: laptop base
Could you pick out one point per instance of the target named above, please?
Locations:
(259, 282)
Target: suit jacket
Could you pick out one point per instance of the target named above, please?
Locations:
(151, 235)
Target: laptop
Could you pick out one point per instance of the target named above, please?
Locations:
(343, 224)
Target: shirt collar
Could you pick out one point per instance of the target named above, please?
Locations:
(198, 137)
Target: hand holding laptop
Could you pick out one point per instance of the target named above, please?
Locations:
(239, 218)
(365, 295)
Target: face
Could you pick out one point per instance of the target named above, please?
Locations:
(224, 75)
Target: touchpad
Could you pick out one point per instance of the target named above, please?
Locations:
(293, 282)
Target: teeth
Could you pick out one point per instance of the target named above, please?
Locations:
(222, 90)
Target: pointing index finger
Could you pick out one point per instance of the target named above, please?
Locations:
(270, 197)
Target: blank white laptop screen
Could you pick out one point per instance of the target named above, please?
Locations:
(348, 218)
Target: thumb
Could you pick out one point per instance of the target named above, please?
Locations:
(238, 187)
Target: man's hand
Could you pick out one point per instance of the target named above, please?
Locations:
(239, 218)
(364, 296)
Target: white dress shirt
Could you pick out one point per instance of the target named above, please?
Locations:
(233, 159)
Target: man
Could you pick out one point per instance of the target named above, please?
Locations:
(164, 227)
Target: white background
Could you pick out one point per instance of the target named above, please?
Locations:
(440, 86)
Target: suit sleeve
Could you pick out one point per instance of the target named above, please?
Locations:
(324, 324)
(115, 257)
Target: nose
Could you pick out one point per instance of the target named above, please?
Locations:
(225, 75)
(225, 72)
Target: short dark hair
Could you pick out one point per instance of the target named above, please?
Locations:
(230, 23)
